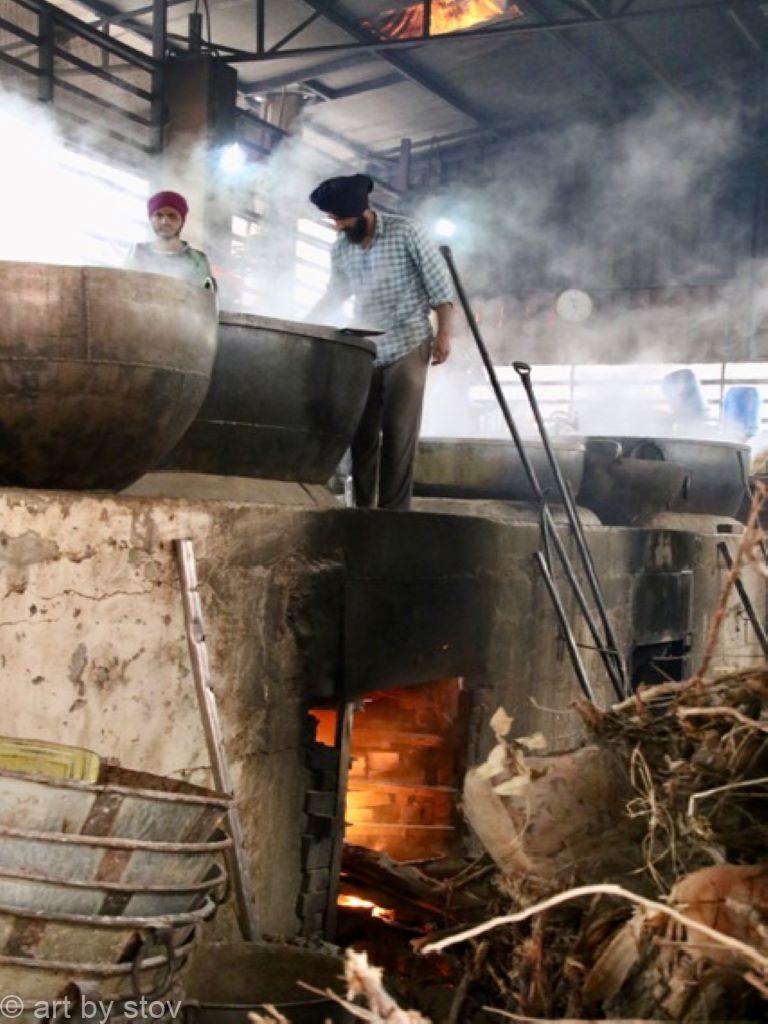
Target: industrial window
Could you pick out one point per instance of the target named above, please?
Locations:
(313, 263)
(588, 392)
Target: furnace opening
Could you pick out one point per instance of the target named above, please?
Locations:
(406, 750)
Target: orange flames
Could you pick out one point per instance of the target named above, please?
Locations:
(355, 901)
(446, 16)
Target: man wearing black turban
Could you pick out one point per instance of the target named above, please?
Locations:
(391, 268)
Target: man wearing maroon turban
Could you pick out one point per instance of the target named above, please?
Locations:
(168, 254)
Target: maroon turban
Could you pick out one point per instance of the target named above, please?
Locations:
(172, 199)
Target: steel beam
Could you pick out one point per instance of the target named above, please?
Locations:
(744, 31)
(601, 15)
(326, 67)
(388, 48)
(159, 47)
(261, 25)
(47, 32)
(599, 74)
(425, 79)
(368, 85)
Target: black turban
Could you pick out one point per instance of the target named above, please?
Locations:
(343, 197)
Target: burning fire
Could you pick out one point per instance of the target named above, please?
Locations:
(354, 901)
(446, 16)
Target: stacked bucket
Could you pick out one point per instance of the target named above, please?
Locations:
(105, 881)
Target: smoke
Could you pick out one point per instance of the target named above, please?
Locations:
(63, 201)
(57, 204)
(648, 217)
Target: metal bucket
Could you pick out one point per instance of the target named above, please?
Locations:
(46, 980)
(226, 981)
(132, 862)
(284, 402)
(131, 805)
(482, 468)
(25, 891)
(101, 372)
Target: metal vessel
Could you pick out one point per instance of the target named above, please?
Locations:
(25, 891)
(284, 401)
(37, 980)
(133, 862)
(485, 468)
(629, 479)
(125, 803)
(99, 940)
(101, 372)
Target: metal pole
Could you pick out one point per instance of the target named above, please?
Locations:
(46, 32)
(746, 600)
(565, 626)
(538, 493)
(237, 863)
(523, 370)
(159, 45)
(260, 26)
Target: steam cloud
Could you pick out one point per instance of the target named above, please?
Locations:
(640, 215)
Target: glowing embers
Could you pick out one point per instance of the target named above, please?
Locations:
(407, 22)
(356, 903)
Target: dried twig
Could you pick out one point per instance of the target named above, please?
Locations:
(722, 789)
(749, 953)
(722, 712)
(363, 979)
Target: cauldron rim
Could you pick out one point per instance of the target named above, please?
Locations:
(569, 443)
(669, 439)
(312, 332)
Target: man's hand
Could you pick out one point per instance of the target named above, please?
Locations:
(441, 348)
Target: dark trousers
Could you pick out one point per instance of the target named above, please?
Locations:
(384, 446)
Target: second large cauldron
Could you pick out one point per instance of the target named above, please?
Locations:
(284, 401)
(627, 480)
(487, 468)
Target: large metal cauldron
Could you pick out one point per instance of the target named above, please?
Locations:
(480, 468)
(284, 402)
(101, 372)
(627, 480)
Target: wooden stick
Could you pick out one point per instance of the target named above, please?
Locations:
(608, 889)
(209, 713)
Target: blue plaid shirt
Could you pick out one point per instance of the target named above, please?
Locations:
(395, 282)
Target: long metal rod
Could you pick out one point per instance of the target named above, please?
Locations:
(206, 698)
(746, 600)
(523, 371)
(530, 472)
(565, 627)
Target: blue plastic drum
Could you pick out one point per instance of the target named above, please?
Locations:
(741, 410)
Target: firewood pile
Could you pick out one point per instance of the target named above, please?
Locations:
(626, 880)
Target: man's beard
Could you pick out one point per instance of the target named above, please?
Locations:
(357, 232)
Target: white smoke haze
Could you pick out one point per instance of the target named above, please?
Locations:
(633, 215)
